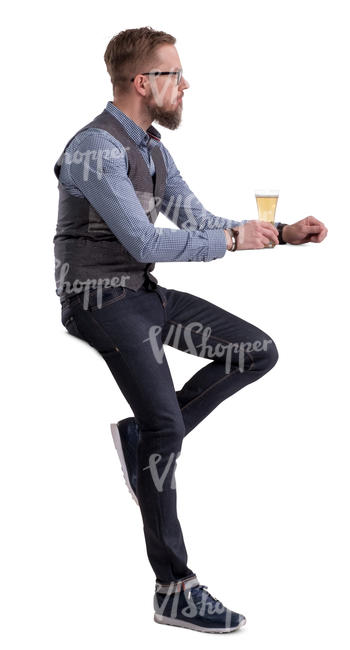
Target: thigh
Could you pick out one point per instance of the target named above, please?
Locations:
(197, 326)
(116, 318)
(126, 329)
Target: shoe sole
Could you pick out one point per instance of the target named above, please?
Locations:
(118, 445)
(166, 620)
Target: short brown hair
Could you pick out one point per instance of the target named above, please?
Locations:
(129, 50)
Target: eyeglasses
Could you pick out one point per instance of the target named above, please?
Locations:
(158, 74)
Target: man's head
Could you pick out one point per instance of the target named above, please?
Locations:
(153, 97)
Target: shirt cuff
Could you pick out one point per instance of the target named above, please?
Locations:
(216, 244)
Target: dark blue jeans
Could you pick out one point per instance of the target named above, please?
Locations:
(129, 330)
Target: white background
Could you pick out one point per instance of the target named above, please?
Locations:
(263, 482)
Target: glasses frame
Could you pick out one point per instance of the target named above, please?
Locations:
(158, 74)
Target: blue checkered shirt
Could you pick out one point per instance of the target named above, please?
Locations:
(95, 166)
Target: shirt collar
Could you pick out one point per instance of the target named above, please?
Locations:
(136, 132)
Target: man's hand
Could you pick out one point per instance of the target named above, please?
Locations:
(256, 234)
(305, 230)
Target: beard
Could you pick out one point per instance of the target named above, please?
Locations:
(169, 119)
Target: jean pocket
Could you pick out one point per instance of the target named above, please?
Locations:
(103, 297)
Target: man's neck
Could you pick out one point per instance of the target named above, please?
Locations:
(133, 114)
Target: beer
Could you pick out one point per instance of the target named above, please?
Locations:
(267, 202)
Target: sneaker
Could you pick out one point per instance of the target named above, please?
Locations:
(188, 604)
(126, 435)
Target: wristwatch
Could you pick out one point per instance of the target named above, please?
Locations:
(234, 234)
(280, 228)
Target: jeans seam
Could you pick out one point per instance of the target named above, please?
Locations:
(209, 388)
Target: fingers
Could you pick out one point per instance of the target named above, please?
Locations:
(258, 223)
(264, 241)
(320, 237)
(269, 226)
(259, 234)
(269, 230)
(309, 230)
(272, 234)
(314, 230)
(312, 221)
(323, 234)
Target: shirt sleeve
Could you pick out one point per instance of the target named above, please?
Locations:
(183, 208)
(100, 174)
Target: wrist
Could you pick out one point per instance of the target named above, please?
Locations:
(282, 233)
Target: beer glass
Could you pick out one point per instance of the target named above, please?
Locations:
(267, 201)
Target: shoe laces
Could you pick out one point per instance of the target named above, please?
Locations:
(201, 596)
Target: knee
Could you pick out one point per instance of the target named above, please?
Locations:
(175, 427)
(263, 356)
(170, 428)
(271, 354)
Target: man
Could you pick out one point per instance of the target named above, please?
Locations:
(115, 175)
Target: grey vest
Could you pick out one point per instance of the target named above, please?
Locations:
(86, 250)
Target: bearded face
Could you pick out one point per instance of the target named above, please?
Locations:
(165, 106)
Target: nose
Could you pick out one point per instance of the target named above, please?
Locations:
(184, 83)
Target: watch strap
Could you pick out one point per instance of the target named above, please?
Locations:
(280, 228)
